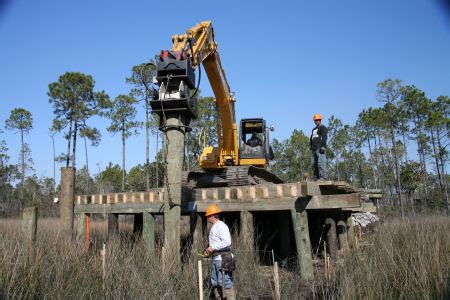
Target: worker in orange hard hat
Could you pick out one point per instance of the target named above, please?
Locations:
(223, 259)
(318, 145)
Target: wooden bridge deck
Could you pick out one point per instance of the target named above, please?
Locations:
(307, 195)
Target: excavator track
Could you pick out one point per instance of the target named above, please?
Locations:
(232, 176)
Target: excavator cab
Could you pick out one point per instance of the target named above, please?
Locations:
(254, 143)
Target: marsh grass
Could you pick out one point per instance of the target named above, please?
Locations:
(402, 259)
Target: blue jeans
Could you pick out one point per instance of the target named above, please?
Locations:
(216, 277)
(319, 165)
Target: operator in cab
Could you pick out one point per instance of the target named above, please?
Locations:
(254, 140)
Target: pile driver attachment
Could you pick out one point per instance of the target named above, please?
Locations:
(175, 77)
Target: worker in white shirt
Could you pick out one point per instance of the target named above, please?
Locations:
(223, 258)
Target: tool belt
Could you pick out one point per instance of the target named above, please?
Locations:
(228, 260)
(221, 251)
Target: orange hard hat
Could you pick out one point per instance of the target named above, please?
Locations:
(212, 210)
(317, 117)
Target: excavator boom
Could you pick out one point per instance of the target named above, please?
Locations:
(222, 165)
(202, 49)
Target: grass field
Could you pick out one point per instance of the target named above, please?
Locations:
(406, 259)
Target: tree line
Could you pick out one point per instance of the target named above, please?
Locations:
(372, 153)
(375, 152)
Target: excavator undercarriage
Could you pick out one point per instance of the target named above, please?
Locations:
(229, 177)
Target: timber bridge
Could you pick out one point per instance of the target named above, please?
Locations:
(293, 215)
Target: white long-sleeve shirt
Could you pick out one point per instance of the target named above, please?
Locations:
(219, 237)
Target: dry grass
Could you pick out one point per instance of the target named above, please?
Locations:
(406, 259)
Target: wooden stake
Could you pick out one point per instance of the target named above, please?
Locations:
(103, 254)
(328, 269)
(223, 284)
(87, 242)
(276, 280)
(200, 280)
(325, 259)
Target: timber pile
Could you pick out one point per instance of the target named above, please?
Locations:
(364, 219)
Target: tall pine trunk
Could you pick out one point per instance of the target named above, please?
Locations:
(22, 177)
(441, 153)
(442, 162)
(157, 160)
(147, 143)
(383, 164)
(69, 139)
(75, 132)
(87, 166)
(54, 166)
(404, 145)
(420, 147)
(436, 159)
(397, 169)
(123, 156)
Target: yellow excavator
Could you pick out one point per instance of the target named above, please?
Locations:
(238, 159)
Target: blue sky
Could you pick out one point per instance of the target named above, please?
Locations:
(284, 60)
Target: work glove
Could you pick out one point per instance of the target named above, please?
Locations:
(322, 150)
(206, 253)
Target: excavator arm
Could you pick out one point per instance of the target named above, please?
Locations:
(226, 164)
(198, 42)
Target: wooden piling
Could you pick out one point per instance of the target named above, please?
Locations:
(80, 234)
(148, 231)
(196, 230)
(29, 226)
(303, 243)
(342, 232)
(67, 199)
(174, 146)
(247, 230)
(331, 237)
(113, 225)
(350, 232)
